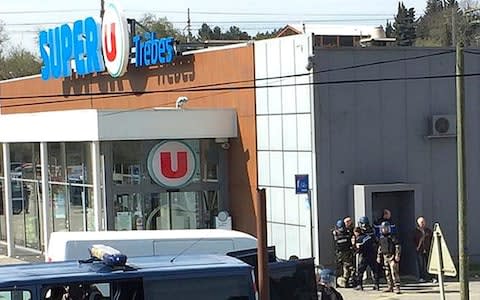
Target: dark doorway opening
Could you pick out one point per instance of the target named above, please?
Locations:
(402, 206)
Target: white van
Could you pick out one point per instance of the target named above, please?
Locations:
(74, 245)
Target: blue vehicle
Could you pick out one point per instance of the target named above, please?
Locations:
(201, 277)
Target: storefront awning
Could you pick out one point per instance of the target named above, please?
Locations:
(107, 125)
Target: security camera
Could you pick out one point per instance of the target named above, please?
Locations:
(226, 146)
(181, 101)
(310, 63)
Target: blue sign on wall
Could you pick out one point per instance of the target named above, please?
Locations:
(301, 184)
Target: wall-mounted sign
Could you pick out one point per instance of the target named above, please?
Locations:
(301, 183)
(115, 39)
(85, 49)
(172, 164)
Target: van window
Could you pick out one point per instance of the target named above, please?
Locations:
(206, 288)
(117, 290)
(15, 295)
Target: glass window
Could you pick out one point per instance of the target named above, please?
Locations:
(25, 160)
(56, 162)
(127, 162)
(131, 289)
(346, 41)
(205, 288)
(15, 295)
(209, 160)
(329, 41)
(78, 162)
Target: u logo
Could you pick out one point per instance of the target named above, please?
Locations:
(111, 52)
(166, 166)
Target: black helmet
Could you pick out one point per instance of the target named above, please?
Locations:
(327, 277)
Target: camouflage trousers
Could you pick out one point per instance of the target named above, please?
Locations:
(392, 270)
(345, 264)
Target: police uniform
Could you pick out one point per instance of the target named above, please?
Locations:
(344, 252)
(389, 252)
(366, 246)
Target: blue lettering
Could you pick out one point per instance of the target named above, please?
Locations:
(43, 41)
(170, 49)
(161, 51)
(138, 50)
(146, 53)
(93, 46)
(154, 52)
(66, 49)
(79, 48)
(55, 55)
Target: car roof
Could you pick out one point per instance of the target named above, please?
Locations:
(71, 271)
(149, 234)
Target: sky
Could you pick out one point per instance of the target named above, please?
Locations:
(23, 18)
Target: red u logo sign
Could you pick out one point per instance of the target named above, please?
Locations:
(111, 53)
(166, 165)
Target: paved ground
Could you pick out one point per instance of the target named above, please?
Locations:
(421, 291)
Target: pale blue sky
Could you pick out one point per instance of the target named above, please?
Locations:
(249, 15)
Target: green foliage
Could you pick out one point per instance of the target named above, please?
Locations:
(444, 20)
(18, 63)
(389, 31)
(161, 26)
(267, 34)
(233, 33)
(404, 27)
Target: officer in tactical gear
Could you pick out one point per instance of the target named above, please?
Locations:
(325, 286)
(366, 248)
(343, 253)
(389, 251)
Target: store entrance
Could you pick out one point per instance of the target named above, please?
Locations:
(165, 210)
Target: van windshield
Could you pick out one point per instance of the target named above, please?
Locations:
(15, 295)
(206, 288)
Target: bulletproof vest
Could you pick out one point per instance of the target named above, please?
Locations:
(343, 240)
(387, 246)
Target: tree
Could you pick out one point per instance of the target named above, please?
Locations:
(267, 34)
(205, 32)
(404, 27)
(234, 33)
(389, 31)
(18, 63)
(161, 26)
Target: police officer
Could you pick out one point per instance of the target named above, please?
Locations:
(389, 251)
(366, 248)
(343, 253)
(325, 286)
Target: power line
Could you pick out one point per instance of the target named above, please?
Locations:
(223, 84)
(218, 89)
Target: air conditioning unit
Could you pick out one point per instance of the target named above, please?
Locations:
(444, 125)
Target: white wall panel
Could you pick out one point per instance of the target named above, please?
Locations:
(275, 123)
(263, 133)
(277, 203)
(304, 132)
(276, 168)
(263, 161)
(291, 207)
(278, 239)
(289, 132)
(290, 168)
(292, 235)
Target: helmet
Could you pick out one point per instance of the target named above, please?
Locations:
(327, 277)
(363, 220)
(340, 224)
(385, 227)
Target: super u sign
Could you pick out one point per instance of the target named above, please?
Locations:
(172, 164)
(86, 49)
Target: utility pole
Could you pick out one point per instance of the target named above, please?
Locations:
(189, 26)
(102, 9)
(262, 254)
(462, 204)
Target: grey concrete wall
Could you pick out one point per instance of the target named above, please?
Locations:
(376, 132)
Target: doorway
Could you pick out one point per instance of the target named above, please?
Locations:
(404, 201)
(402, 206)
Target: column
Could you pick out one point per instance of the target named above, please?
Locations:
(46, 208)
(97, 188)
(8, 199)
